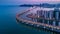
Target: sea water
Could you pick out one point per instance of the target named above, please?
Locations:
(9, 25)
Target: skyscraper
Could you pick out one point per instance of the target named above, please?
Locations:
(50, 17)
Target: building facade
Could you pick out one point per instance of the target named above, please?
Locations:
(51, 17)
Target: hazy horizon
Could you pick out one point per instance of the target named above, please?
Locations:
(17, 2)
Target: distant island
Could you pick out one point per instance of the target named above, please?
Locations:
(41, 5)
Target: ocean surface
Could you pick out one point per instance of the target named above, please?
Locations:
(9, 25)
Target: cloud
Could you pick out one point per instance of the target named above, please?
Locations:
(42, 0)
(53, 1)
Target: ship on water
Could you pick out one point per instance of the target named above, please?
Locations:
(45, 18)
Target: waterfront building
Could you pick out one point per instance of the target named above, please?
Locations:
(50, 17)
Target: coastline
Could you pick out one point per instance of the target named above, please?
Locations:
(34, 24)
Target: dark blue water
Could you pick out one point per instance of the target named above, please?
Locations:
(8, 24)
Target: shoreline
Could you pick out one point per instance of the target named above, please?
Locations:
(35, 24)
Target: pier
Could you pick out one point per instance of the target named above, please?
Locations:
(36, 24)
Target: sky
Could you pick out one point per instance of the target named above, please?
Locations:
(14, 2)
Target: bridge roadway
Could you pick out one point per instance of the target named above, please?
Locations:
(18, 17)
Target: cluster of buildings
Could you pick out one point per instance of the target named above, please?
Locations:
(51, 17)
